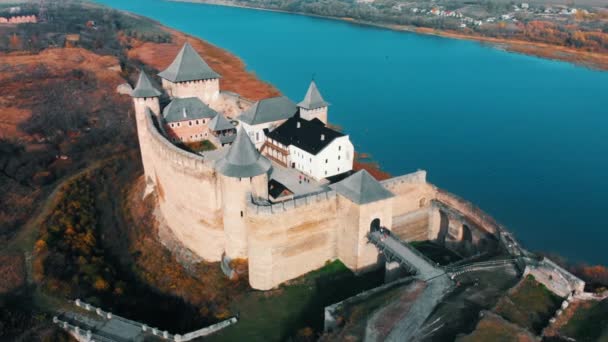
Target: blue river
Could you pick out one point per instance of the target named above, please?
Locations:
(524, 138)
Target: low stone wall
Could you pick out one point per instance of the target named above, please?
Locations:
(555, 278)
(290, 204)
(87, 335)
(418, 177)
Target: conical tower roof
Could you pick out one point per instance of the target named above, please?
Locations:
(220, 123)
(243, 159)
(313, 98)
(145, 87)
(188, 66)
(362, 188)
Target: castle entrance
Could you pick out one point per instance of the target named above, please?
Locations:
(375, 225)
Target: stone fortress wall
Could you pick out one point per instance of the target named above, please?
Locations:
(219, 209)
(283, 240)
(187, 188)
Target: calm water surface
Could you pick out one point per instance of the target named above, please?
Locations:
(525, 138)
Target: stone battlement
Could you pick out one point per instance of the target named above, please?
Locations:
(293, 203)
(418, 177)
(172, 153)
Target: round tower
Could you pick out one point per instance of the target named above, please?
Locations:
(146, 102)
(243, 173)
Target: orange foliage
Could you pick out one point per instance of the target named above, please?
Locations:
(101, 285)
(597, 275)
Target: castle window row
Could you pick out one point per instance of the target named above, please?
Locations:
(190, 123)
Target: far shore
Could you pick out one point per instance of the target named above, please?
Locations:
(548, 51)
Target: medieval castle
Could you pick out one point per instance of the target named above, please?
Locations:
(279, 190)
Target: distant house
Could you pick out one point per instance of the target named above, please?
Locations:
(265, 115)
(310, 147)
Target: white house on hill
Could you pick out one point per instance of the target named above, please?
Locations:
(310, 147)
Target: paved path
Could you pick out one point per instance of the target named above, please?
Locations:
(438, 284)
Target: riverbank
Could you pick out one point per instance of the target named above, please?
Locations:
(543, 50)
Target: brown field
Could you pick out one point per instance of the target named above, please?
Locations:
(16, 76)
(544, 50)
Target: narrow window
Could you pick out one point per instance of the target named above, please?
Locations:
(339, 148)
(257, 136)
(241, 213)
(189, 123)
(197, 122)
(325, 161)
(338, 157)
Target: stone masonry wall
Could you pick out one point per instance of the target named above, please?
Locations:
(207, 91)
(188, 190)
(290, 241)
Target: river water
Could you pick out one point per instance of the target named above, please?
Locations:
(524, 138)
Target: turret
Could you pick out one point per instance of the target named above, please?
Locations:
(313, 105)
(244, 173)
(145, 100)
(145, 95)
(190, 76)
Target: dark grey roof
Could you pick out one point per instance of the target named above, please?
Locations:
(189, 108)
(243, 159)
(188, 66)
(269, 110)
(313, 98)
(220, 123)
(145, 87)
(362, 188)
(304, 134)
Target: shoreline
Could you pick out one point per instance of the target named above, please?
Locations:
(592, 60)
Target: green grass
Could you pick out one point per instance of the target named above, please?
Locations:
(199, 146)
(530, 306)
(278, 315)
(589, 323)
